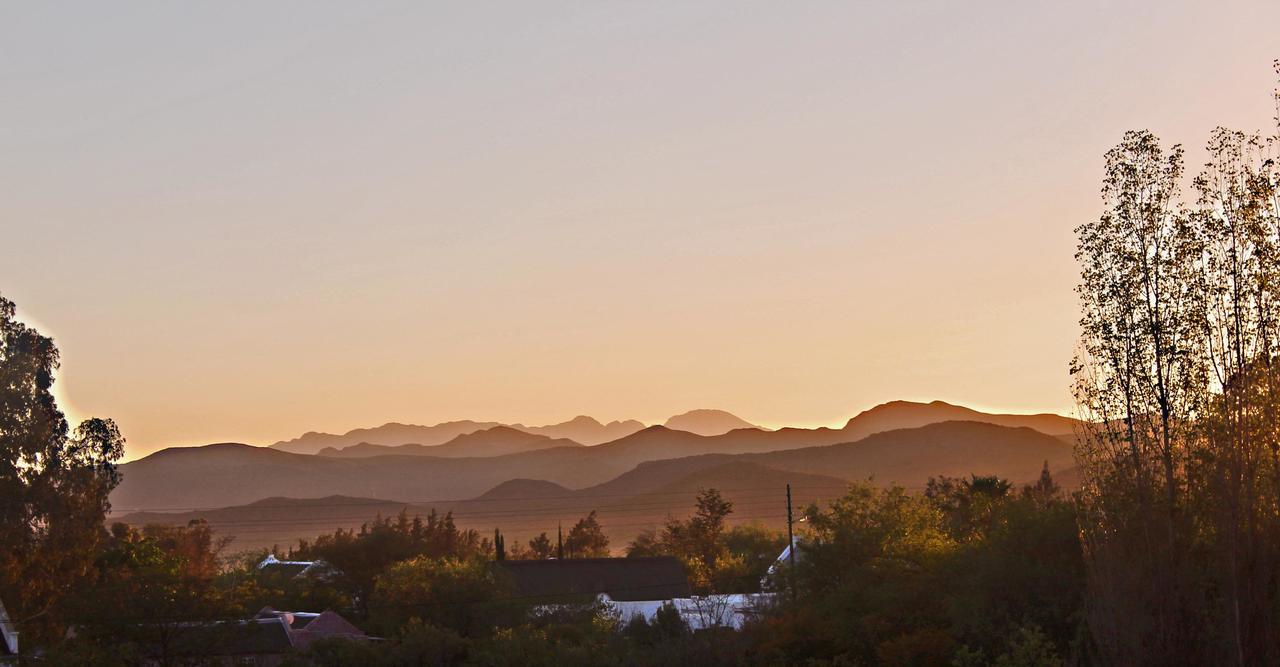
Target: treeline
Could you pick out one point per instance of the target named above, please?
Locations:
(971, 572)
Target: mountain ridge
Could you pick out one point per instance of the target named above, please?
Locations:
(235, 474)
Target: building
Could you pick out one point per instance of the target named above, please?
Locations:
(631, 587)
(295, 569)
(302, 627)
(8, 638)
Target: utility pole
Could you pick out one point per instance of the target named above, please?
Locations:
(559, 541)
(791, 548)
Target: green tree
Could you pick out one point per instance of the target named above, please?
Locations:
(696, 541)
(364, 554)
(869, 583)
(587, 539)
(155, 590)
(465, 596)
(54, 483)
(968, 505)
(540, 547)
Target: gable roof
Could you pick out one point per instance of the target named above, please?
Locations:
(651, 578)
(303, 627)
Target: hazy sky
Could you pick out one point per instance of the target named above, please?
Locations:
(243, 221)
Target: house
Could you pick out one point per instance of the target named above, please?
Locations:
(783, 560)
(296, 569)
(8, 638)
(631, 587)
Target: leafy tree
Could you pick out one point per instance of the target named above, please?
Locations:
(756, 547)
(968, 505)
(1141, 382)
(868, 583)
(465, 596)
(699, 536)
(540, 547)
(364, 554)
(646, 543)
(1235, 474)
(1180, 335)
(155, 590)
(587, 539)
(54, 483)
(698, 542)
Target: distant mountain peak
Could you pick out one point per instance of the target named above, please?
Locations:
(705, 421)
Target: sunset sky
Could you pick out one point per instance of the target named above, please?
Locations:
(243, 221)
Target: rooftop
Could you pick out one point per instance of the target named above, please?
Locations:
(653, 578)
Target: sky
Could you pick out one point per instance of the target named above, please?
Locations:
(243, 221)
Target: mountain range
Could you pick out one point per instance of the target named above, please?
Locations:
(527, 479)
(493, 441)
(228, 473)
(582, 429)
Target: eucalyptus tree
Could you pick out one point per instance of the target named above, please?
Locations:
(54, 481)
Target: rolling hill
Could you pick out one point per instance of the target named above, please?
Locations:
(522, 508)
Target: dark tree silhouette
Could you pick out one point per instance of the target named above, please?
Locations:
(587, 539)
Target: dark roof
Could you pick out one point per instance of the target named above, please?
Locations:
(653, 578)
(256, 637)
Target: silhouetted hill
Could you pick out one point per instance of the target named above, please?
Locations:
(707, 422)
(911, 456)
(277, 521)
(907, 414)
(525, 489)
(494, 441)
